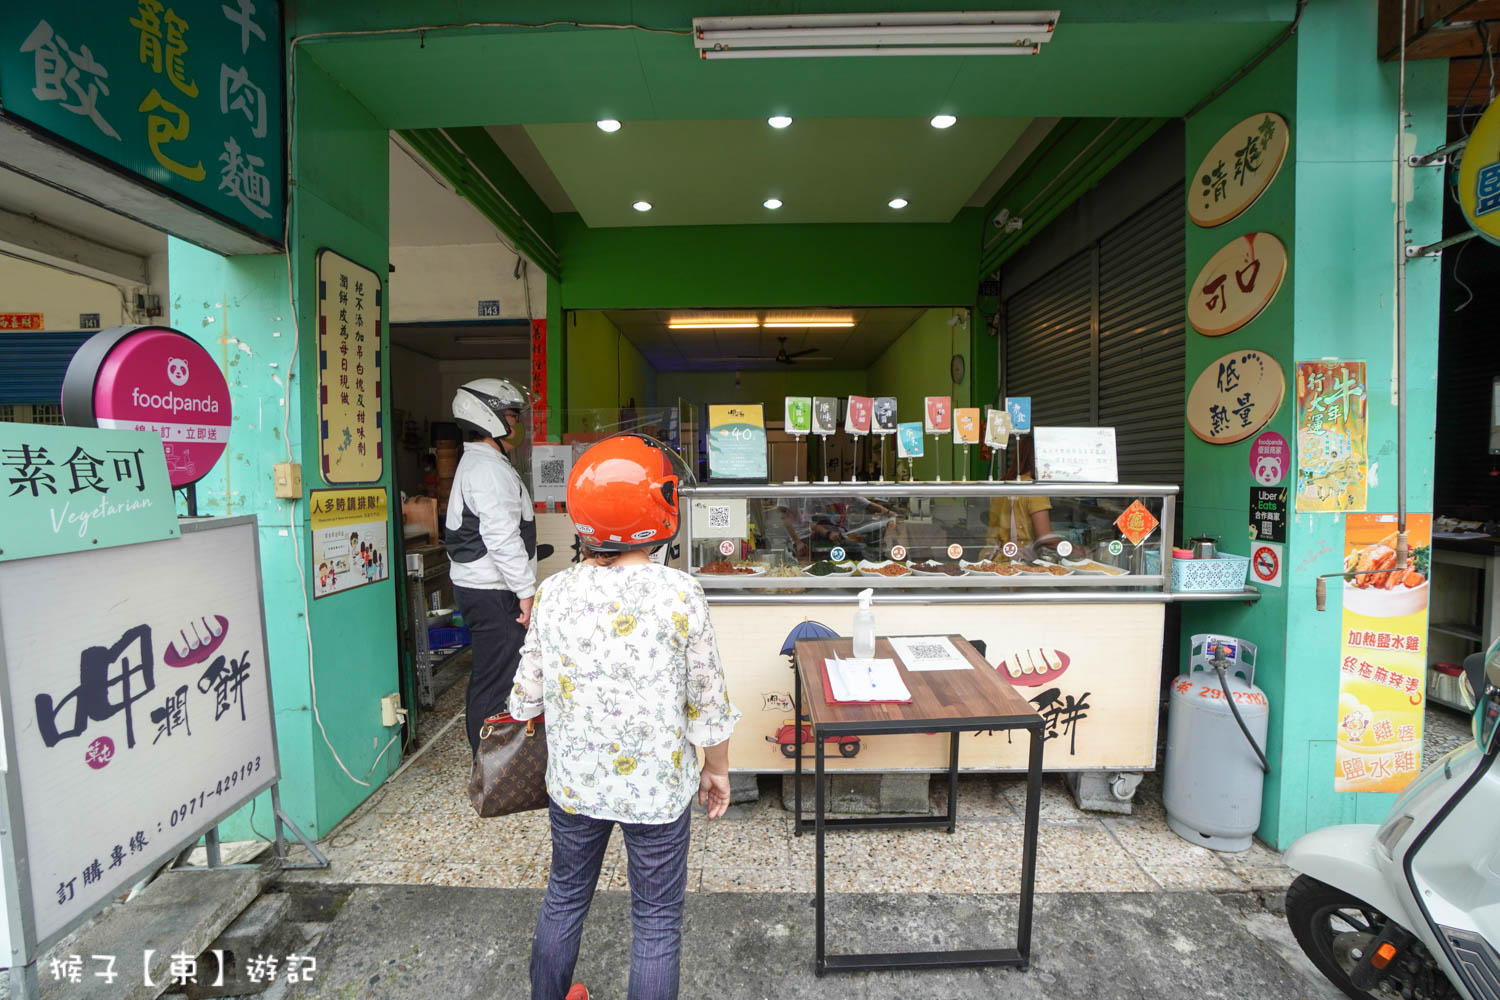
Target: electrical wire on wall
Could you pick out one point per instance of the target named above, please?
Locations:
(420, 32)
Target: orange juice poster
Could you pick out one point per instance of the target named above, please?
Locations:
(1383, 655)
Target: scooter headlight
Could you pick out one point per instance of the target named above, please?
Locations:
(1391, 833)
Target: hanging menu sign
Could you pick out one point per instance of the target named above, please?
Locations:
(349, 411)
(737, 441)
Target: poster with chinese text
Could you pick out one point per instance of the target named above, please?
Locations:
(349, 547)
(1332, 432)
(857, 420)
(825, 415)
(1383, 654)
(798, 415)
(349, 411)
(909, 440)
(737, 441)
(938, 415)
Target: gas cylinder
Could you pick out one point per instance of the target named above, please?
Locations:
(1213, 781)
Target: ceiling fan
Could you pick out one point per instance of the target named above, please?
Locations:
(782, 356)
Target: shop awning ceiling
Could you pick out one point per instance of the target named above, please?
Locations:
(739, 348)
(510, 340)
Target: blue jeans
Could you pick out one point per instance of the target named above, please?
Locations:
(656, 855)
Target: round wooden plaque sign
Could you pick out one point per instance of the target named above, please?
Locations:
(1238, 169)
(1236, 284)
(1235, 397)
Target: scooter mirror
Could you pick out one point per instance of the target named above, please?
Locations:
(1466, 693)
(1492, 673)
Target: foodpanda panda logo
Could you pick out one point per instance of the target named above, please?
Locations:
(177, 371)
(1268, 470)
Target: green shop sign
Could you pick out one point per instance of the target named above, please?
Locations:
(185, 94)
(66, 489)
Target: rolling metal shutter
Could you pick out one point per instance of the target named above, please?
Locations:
(1100, 340)
(1143, 340)
(32, 365)
(1049, 344)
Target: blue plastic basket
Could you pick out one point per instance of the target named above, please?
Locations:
(447, 637)
(1223, 575)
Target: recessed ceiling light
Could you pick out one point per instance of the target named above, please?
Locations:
(645, 206)
(772, 203)
(938, 121)
(608, 125)
(896, 203)
(778, 121)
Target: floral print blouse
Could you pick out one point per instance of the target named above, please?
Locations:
(623, 661)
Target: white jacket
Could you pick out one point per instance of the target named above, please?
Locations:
(491, 537)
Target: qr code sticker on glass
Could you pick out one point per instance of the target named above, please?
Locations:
(1487, 190)
(718, 516)
(554, 472)
(928, 651)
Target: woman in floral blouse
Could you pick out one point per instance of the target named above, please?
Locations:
(622, 659)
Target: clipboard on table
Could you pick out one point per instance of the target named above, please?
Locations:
(828, 695)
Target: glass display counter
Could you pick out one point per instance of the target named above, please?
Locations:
(1041, 577)
(931, 542)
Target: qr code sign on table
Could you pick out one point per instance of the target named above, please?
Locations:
(718, 516)
(554, 472)
(928, 651)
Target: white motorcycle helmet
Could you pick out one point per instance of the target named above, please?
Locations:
(480, 406)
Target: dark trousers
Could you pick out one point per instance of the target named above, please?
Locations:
(656, 857)
(496, 638)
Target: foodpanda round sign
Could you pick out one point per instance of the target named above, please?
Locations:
(152, 378)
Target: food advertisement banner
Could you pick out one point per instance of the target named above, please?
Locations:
(997, 428)
(349, 411)
(185, 95)
(885, 414)
(825, 415)
(1332, 431)
(1383, 655)
(66, 489)
(349, 547)
(938, 415)
(966, 425)
(798, 418)
(1096, 688)
(736, 441)
(857, 420)
(909, 441)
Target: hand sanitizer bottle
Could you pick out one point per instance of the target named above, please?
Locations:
(864, 627)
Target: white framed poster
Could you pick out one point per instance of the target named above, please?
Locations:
(1076, 455)
(139, 714)
(349, 539)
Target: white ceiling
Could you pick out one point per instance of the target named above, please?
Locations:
(425, 212)
(755, 349)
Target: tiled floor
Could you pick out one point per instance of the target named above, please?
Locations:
(419, 828)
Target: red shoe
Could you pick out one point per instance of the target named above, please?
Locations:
(578, 992)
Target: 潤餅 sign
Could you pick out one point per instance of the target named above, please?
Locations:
(154, 379)
(185, 96)
(138, 709)
(65, 489)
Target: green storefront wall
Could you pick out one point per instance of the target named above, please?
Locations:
(1333, 207)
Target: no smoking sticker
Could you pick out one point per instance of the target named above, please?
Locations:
(1265, 564)
(726, 547)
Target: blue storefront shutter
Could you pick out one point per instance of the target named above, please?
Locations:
(32, 364)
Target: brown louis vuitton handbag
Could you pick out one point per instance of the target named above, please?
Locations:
(510, 769)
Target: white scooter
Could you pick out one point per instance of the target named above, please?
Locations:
(1411, 908)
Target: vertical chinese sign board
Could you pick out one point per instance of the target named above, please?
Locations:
(1332, 429)
(349, 544)
(349, 411)
(185, 95)
(1383, 660)
(137, 714)
(540, 399)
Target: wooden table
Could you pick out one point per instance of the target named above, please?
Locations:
(951, 701)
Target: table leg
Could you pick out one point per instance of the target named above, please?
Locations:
(953, 782)
(797, 722)
(1028, 848)
(820, 962)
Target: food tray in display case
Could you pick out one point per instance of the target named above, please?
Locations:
(928, 541)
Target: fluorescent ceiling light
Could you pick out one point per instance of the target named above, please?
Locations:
(778, 121)
(712, 324)
(943, 121)
(772, 203)
(485, 339)
(608, 125)
(897, 203)
(642, 206)
(886, 34)
(796, 323)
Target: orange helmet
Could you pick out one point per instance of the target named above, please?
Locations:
(622, 493)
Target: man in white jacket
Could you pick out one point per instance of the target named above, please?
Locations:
(491, 541)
